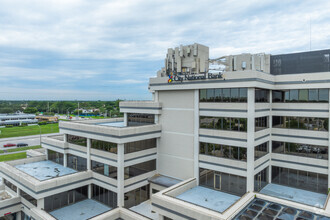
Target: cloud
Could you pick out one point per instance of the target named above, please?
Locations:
(84, 45)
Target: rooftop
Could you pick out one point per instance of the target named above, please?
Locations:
(145, 209)
(164, 180)
(80, 211)
(262, 209)
(296, 195)
(208, 198)
(119, 124)
(44, 170)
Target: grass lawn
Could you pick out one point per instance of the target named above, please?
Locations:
(8, 157)
(28, 130)
(21, 149)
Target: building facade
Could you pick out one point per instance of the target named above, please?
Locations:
(246, 137)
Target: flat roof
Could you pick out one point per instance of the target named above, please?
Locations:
(119, 124)
(44, 170)
(209, 198)
(295, 195)
(81, 210)
(263, 209)
(144, 208)
(164, 180)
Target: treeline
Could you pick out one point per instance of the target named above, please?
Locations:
(59, 107)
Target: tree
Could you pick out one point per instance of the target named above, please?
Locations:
(31, 110)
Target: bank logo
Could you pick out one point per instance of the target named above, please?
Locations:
(170, 77)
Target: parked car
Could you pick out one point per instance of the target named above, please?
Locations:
(9, 145)
(22, 145)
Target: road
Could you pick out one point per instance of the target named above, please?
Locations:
(32, 140)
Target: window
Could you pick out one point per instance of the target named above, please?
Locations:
(137, 119)
(77, 163)
(54, 156)
(66, 198)
(104, 169)
(301, 95)
(139, 169)
(261, 95)
(300, 179)
(10, 185)
(72, 139)
(136, 196)
(261, 123)
(105, 146)
(223, 95)
(29, 198)
(261, 179)
(230, 124)
(217, 150)
(104, 196)
(315, 124)
(222, 181)
(302, 150)
(260, 150)
(140, 145)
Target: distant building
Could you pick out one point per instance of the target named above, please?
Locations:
(17, 119)
(47, 118)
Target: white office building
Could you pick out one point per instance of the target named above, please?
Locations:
(238, 137)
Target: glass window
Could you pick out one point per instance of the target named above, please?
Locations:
(261, 95)
(313, 95)
(104, 146)
(72, 139)
(294, 95)
(77, 163)
(139, 169)
(140, 145)
(104, 196)
(10, 185)
(218, 95)
(234, 95)
(54, 156)
(217, 150)
(261, 123)
(278, 96)
(210, 95)
(243, 94)
(138, 119)
(260, 150)
(104, 169)
(202, 95)
(29, 198)
(230, 124)
(226, 95)
(136, 196)
(323, 95)
(303, 95)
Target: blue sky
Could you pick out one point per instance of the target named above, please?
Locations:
(104, 50)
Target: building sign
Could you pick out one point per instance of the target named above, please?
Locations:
(189, 77)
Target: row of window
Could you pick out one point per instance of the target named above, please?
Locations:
(262, 95)
(261, 150)
(301, 95)
(217, 150)
(315, 124)
(105, 196)
(223, 95)
(104, 169)
(230, 124)
(222, 181)
(138, 119)
(136, 196)
(302, 150)
(112, 147)
(139, 169)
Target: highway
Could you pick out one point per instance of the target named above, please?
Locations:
(32, 140)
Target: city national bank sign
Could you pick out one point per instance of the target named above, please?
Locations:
(184, 77)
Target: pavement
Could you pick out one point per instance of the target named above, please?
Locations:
(31, 140)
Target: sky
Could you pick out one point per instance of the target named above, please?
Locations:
(108, 49)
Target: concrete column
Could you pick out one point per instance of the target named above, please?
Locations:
(196, 135)
(46, 153)
(40, 203)
(65, 138)
(18, 193)
(89, 145)
(65, 159)
(120, 175)
(156, 96)
(329, 148)
(125, 119)
(19, 215)
(250, 140)
(90, 191)
(156, 119)
(270, 144)
(160, 217)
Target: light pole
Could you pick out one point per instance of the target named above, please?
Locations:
(39, 135)
(68, 112)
